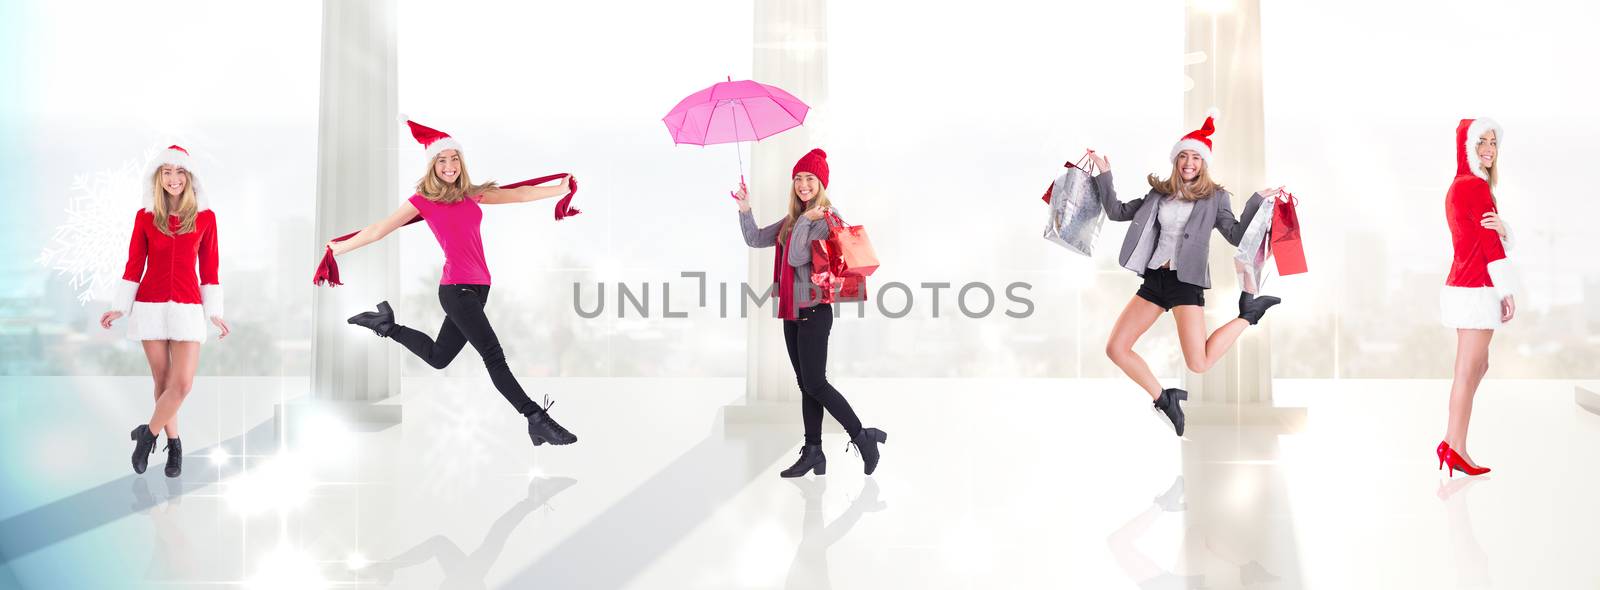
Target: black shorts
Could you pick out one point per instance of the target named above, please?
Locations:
(1162, 287)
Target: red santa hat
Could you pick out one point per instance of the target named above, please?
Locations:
(1469, 143)
(1199, 140)
(432, 140)
(175, 155)
(815, 162)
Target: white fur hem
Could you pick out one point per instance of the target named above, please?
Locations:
(211, 300)
(167, 321)
(1473, 308)
(1504, 276)
(1478, 127)
(447, 143)
(122, 300)
(1191, 144)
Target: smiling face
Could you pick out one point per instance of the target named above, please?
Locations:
(172, 179)
(447, 166)
(1488, 149)
(1189, 164)
(806, 186)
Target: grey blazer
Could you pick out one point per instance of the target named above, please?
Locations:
(1194, 248)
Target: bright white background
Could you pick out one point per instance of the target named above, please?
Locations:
(943, 126)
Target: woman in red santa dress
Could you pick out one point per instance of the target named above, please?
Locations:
(1478, 296)
(167, 300)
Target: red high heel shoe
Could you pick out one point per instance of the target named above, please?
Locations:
(1448, 456)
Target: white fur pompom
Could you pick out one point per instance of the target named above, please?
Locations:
(1214, 114)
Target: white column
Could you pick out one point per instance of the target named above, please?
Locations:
(791, 52)
(356, 146)
(1223, 45)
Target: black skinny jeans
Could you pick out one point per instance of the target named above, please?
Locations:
(464, 322)
(807, 339)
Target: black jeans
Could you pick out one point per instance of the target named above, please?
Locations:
(807, 339)
(464, 322)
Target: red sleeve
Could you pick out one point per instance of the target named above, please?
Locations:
(1472, 200)
(208, 253)
(137, 249)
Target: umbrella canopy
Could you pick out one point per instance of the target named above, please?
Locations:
(734, 111)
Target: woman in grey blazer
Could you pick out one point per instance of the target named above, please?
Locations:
(1168, 244)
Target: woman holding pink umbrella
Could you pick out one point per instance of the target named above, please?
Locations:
(807, 321)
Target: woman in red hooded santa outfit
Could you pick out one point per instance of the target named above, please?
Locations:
(166, 300)
(1478, 296)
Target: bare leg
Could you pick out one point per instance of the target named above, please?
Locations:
(156, 352)
(1200, 352)
(180, 378)
(1472, 362)
(1135, 320)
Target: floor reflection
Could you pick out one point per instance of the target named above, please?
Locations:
(810, 567)
(171, 557)
(461, 569)
(1471, 564)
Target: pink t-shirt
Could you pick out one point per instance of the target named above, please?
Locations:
(456, 227)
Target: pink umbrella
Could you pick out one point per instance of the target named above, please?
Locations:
(731, 112)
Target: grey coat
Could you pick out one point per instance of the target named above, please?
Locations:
(798, 250)
(1194, 249)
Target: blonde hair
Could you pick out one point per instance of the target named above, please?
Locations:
(188, 203)
(1492, 172)
(798, 207)
(432, 188)
(1200, 188)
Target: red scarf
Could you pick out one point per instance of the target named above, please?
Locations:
(328, 270)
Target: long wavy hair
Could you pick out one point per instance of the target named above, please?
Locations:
(1200, 188)
(188, 203)
(435, 189)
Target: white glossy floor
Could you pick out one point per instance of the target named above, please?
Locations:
(984, 484)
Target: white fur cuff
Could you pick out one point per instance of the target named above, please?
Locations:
(1505, 277)
(122, 299)
(211, 300)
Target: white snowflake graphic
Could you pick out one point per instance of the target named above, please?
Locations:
(90, 247)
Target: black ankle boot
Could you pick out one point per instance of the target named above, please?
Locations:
(1168, 404)
(811, 459)
(144, 445)
(174, 457)
(866, 443)
(381, 322)
(544, 429)
(1251, 308)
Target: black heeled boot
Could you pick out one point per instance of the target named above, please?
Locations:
(1251, 308)
(1168, 404)
(174, 457)
(544, 429)
(381, 322)
(866, 443)
(811, 459)
(144, 445)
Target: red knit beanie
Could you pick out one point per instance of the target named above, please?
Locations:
(815, 162)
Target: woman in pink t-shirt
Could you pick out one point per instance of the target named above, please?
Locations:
(449, 202)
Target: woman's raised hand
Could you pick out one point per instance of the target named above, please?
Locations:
(742, 196)
(1101, 163)
(815, 213)
(1273, 193)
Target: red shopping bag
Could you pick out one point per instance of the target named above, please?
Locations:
(834, 287)
(850, 244)
(1286, 245)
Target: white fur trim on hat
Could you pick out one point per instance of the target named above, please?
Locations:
(1471, 308)
(122, 299)
(1504, 276)
(167, 321)
(211, 300)
(448, 143)
(1191, 144)
(1478, 127)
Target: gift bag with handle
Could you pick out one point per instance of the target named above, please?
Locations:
(1286, 245)
(1254, 249)
(1075, 210)
(855, 253)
